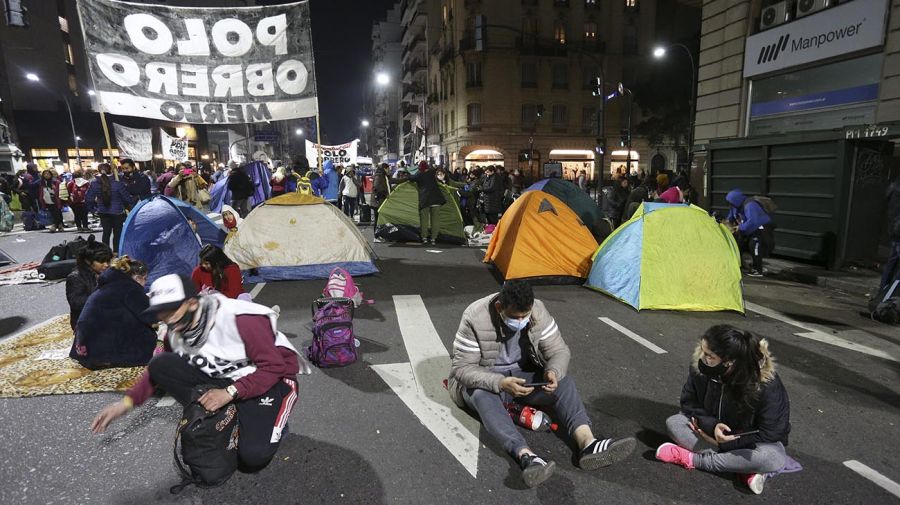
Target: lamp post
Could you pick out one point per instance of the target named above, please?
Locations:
(364, 126)
(622, 91)
(659, 53)
(34, 78)
(382, 79)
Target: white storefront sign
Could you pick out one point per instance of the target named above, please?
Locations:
(844, 29)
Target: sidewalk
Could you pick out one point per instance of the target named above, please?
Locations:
(853, 280)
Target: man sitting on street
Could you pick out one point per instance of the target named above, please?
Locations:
(505, 341)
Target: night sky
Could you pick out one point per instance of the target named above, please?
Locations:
(342, 41)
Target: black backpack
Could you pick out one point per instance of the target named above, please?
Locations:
(885, 307)
(209, 442)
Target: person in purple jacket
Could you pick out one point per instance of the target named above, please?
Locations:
(108, 197)
(753, 228)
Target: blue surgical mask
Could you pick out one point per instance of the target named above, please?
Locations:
(516, 325)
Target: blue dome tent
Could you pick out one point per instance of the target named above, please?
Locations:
(158, 232)
(262, 188)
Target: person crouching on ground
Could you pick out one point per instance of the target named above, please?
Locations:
(753, 228)
(732, 388)
(217, 272)
(113, 330)
(232, 345)
(507, 340)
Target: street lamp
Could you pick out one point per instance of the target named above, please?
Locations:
(659, 53)
(364, 123)
(382, 79)
(34, 78)
(298, 132)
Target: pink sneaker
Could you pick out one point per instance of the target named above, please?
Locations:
(755, 481)
(671, 453)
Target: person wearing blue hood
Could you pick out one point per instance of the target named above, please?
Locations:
(330, 190)
(753, 226)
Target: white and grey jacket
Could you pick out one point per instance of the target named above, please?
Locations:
(476, 347)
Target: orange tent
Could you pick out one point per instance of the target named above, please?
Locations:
(539, 236)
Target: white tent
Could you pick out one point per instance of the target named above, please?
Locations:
(298, 237)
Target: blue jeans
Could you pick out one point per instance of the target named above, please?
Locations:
(568, 411)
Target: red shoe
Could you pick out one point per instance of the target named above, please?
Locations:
(671, 453)
(755, 481)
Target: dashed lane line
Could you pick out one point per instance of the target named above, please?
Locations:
(633, 336)
(874, 476)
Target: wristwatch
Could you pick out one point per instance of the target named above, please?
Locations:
(232, 391)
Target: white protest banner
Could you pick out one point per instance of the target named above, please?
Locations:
(201, 65)
(344, 154)
(173, 148)
(134, 143)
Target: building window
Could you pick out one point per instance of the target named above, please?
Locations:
(529, 75)
(590, 32)
(452, 120)
(588, 120)
(69, 55)
(529, 114)
(63, 24)
(73, 84)
(560, 116)
(630, 40)
(559, 32)
(590, 3)
(473, 115)
(530, 28)
(631, 4)
(473, 74)
(561, 76)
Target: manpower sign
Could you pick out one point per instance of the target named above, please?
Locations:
(850, 27)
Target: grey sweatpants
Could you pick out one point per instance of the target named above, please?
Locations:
(568, 410)
(765, 458)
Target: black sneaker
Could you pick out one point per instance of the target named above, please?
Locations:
(535, 470)
(601, 453)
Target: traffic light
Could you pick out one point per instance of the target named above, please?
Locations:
(598, 87)
(16, 13)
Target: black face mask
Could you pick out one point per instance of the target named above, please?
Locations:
(713, 372)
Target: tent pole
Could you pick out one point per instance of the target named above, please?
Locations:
(318, 143)
(112, 160)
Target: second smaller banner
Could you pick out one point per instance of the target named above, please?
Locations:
(173, 148)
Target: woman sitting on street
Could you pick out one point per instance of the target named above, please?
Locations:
(217, 272)
(735, 412)
(113, 330)
(92, 261)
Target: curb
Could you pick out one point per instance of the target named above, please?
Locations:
(858, 286)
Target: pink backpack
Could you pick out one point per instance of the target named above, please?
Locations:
(341, 285)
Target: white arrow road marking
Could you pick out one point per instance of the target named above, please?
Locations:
(419, 383)
(821, 333)
(256, 289)
(633, 336)
(874, 476)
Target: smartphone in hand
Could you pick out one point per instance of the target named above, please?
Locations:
(535, 384)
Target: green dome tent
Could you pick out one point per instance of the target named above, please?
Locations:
(398, 216)
(580, 203)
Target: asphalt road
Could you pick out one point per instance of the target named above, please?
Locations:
(353, 440)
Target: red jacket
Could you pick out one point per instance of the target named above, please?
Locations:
(232, 284)
(54, 189)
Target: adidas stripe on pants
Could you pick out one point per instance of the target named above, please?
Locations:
(262, 419)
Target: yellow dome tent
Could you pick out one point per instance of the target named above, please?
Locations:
(541, 238)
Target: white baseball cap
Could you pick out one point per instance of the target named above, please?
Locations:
(169, 292)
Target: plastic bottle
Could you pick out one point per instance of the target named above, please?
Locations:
(530, 417)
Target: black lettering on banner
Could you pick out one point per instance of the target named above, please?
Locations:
(172, 110)
(213, 113)
(258, 113)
